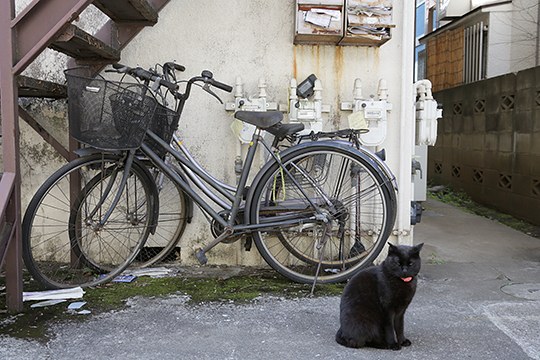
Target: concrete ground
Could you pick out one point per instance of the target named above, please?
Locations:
(478, 298)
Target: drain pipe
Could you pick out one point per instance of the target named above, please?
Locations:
(406, 144)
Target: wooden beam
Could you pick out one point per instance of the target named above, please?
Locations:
(133, 11)
(79, 44)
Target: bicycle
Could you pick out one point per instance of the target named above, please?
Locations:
(317, 211)
(285, 135)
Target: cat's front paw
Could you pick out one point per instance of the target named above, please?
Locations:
(406, 342)
(394, 346)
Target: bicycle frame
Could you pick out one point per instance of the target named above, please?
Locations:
(204, 177)
(176, 142)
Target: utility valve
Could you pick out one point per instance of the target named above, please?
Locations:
(369, 114)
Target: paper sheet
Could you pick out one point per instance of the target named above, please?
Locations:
(357, 120)
(71, 293)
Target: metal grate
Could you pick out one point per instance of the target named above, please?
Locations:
(475, 37)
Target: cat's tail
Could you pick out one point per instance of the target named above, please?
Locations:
(340, 339)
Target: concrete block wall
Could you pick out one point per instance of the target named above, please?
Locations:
(489, 142)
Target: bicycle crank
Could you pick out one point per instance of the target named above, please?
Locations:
(217, 229)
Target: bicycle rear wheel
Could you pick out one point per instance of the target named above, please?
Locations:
(339, 207)
(64, 243)
(171, 221)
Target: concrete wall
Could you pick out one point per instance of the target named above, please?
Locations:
(253, 39)
(489, 142)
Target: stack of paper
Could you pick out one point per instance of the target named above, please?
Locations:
(369, 17)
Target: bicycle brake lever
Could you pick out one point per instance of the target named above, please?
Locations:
(206, 87)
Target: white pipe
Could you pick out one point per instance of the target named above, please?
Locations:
(238, 94)
(406, 125)
(426, 84)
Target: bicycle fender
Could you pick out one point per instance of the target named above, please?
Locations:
(382, 165)
(155, 195)
(188, 200)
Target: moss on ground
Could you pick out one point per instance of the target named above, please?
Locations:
(34, 323)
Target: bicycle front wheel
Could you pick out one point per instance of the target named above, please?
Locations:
(66, 243)
(329, 210)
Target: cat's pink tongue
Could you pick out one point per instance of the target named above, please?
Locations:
(407, 279)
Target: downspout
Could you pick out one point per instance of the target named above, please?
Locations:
(407, 124)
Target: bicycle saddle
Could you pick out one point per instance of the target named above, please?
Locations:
(281, 130)
(261, 119)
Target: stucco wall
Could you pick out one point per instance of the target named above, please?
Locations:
(253, 39)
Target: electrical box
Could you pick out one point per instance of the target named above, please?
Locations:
(427, 114)
(307, 111)
(318, 22)
(373, 113)
(376, 121)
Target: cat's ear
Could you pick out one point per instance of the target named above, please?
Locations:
(416, 249)
(392, 249)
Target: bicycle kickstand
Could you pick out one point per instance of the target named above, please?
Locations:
(320, 248)
(201, 253)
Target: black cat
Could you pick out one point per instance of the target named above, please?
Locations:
(374, 301)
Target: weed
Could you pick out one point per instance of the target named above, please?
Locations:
(463, 200)
(434, 259)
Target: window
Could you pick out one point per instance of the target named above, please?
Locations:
(475, 51)
(420, 49)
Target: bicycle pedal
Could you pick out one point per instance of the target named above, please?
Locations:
(200, 255)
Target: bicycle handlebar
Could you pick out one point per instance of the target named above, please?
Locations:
(206, 77)
(145, 75)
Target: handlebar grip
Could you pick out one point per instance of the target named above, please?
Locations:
(169, 85)
(143, 74)
(221, 86)
(174, 65)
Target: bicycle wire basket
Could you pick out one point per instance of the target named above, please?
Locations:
(164, 124)
(105, 114)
